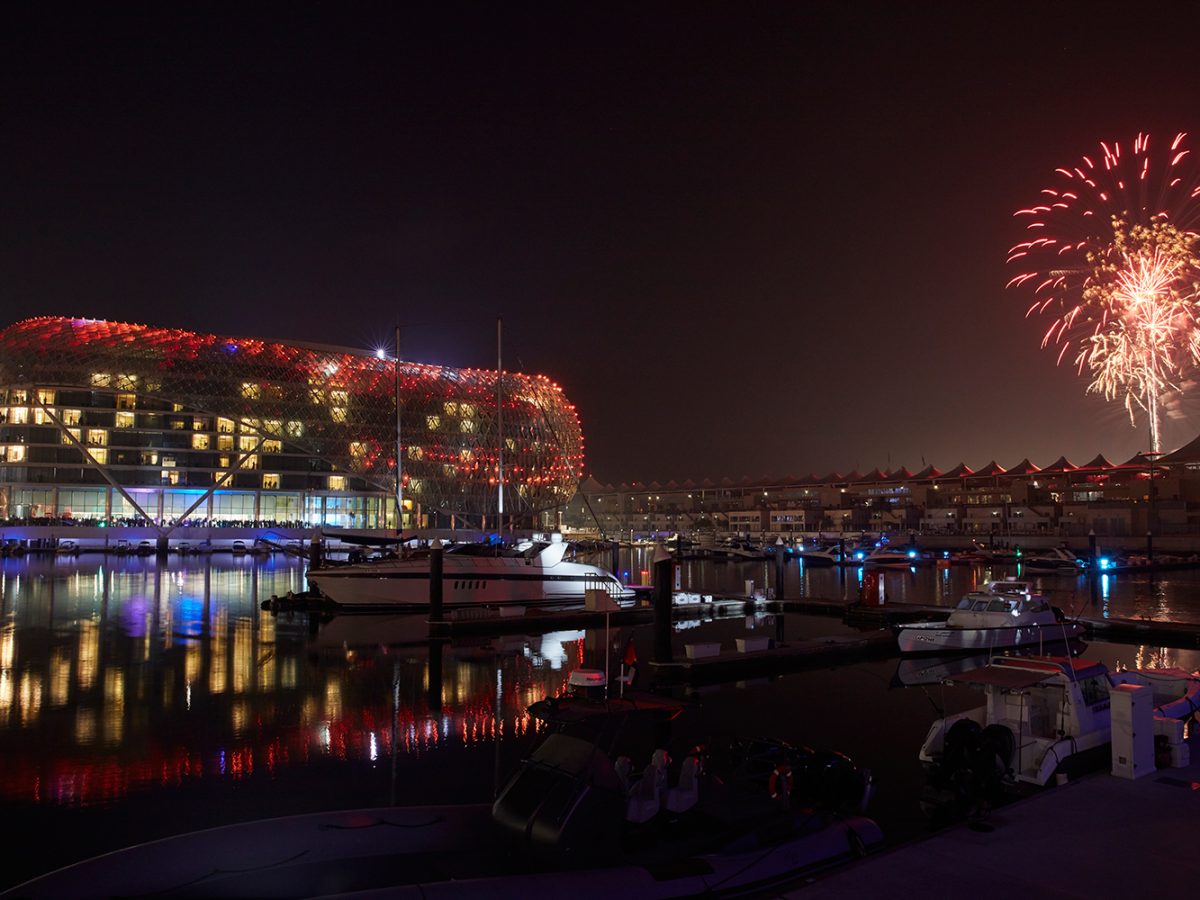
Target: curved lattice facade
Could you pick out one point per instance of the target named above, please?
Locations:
(135, 406)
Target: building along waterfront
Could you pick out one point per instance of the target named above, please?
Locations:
(107, 423)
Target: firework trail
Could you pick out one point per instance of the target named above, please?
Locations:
(1111, 254)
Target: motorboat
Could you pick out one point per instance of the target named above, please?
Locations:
(527, 573)
(740, 551)
(67, 547)
(1004, 614)
(1041, 714)
(145, 548)
(897, 557)
(1056, 561)
(238, 547)
(743, 815)
(823, 556)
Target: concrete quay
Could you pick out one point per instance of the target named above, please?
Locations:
(1100, 836)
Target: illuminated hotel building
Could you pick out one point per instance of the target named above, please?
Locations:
(106, 421)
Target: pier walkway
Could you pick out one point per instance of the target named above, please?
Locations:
(1096, 837)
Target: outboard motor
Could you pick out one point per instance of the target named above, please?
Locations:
(969, 776)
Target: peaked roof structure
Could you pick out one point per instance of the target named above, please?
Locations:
(1097, 464)
(1060, 467)
(929, 472)
(962, 470)
(1137, 461)
(991, 469)
(874, 475)
(1024, 467)
(1189, 452)
(901, 474)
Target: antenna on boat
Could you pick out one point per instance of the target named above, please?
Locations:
(499, 426)
(399, 448)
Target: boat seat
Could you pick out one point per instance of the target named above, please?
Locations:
(685, 795)
(646, 797)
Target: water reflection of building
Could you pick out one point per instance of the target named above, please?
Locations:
(115, 682)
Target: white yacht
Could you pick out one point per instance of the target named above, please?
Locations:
(530, 573)
(1056, 561)
(1004, 614)
(1042, 711)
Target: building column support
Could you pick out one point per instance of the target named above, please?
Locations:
(91, 460)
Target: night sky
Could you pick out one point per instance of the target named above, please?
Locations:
(747, 239)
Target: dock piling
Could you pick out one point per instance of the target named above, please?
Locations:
(780, 562)
(663, 565)
(435, 582)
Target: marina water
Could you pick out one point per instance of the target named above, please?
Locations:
(141, 698)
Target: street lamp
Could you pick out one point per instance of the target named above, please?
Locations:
(1151, 522)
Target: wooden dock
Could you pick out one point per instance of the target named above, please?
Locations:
(1143, 631)
(1099, 836)
(779, 659)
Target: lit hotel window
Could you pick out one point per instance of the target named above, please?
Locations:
(97, 437)
(100, 455)
(272, 426)
(468, 425)
(170, 476)
(247, 442)
(127, 382)
(225, 426)
(295, 429)
(450, 408)
(176, 407)
(248, 425)
(223, 462)
(124, 420)
(15, 453)
(415, 452)
(272, 447)
(199, 424)
(18, 415)
(225, 442)
(467, 410)
(270, 481)
(17, 396)
(337, 482)
(74, 433)
(337, 413)
(250, 390)
(46, 397)
(126, 401)
(250, 462)
(338, 398)
(71, 416)
(39, 416)
(357, 450)
(199, 441)
(101, 379)
(149, 457)
(432, 422)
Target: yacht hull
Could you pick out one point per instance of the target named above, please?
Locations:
(939, 638)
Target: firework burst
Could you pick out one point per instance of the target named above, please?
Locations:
(1111, 254)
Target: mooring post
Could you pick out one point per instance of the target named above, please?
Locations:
(1092, 553)
(615, 549)
(435, 581)
(1150, 546)
(162, 547)
(780, 562)
(664, 565)
(314, 553)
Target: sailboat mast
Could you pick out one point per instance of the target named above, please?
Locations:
(399, 448)
(500, 424)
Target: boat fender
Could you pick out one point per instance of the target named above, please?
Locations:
(780, 783)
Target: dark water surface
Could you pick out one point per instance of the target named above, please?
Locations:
(140, 699)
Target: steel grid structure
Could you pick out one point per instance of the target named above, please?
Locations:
(333, 408)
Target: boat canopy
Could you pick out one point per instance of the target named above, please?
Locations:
(1015, 674)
